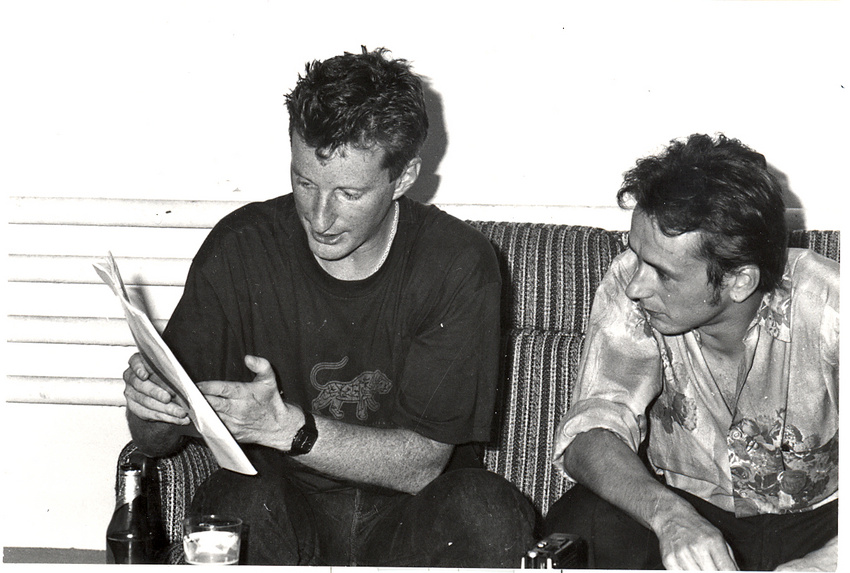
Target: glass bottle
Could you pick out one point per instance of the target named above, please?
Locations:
(129, 536)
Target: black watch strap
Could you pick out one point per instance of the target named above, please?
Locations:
(305, 437)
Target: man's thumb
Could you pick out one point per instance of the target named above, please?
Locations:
(261, 367)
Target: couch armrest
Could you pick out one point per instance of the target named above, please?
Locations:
(172, 482)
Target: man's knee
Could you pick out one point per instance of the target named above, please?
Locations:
(484, 513)
(480, 493)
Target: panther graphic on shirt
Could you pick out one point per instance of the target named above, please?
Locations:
(361, 390)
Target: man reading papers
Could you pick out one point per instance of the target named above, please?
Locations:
(348, 337)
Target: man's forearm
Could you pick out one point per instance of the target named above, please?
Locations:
(398, 459)
(255, 414)
(600, 461)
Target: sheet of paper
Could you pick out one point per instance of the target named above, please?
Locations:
(226, 450)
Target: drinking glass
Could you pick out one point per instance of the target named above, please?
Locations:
(212, 539)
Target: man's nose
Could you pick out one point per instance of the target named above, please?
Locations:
(324, 212)
(638, 287)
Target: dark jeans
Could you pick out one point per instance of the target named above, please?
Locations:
(760, 543)
(464, 518)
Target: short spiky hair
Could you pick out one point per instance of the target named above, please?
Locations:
(723, 189)
(362, 100)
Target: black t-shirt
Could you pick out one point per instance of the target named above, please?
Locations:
(413, 346)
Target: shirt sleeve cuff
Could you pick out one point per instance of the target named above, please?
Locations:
(591, 414)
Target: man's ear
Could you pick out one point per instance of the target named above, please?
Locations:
(744, 282)
(407, 178)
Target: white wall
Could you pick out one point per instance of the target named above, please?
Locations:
(544, 103)
(540, 105)
(59, 473)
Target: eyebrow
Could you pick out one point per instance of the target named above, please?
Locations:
(296, 172)
(667, 271)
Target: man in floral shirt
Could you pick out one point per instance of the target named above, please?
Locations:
(713, 350)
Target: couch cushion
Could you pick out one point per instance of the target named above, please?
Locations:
(542, 367)
(550, 272)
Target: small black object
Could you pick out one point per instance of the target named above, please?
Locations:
(557, 551)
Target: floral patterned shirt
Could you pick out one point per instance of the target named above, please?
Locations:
(768, 446)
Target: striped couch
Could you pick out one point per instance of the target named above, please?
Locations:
(550, 274)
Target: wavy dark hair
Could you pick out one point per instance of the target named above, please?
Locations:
(723, 189)
(361, 100)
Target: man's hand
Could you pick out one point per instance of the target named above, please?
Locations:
(253, 411)
(148, 398)
(823, 559)
(689, 542)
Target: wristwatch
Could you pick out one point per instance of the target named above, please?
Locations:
(305, 437)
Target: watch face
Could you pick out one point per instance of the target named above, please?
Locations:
(303, 441)
(305, 437)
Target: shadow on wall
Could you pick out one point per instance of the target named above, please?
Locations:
(796, 218)
(434, 149)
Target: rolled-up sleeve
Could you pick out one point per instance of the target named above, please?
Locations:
(620, 368)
